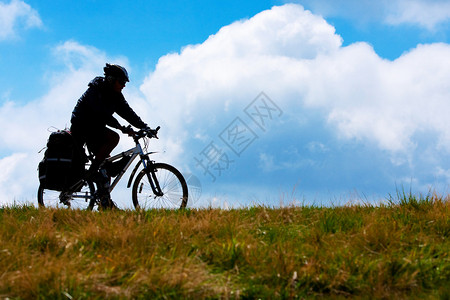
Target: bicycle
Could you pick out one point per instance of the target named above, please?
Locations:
(157, 185)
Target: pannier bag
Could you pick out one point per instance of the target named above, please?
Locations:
(63, 163)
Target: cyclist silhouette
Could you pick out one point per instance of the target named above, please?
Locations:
(93, 112)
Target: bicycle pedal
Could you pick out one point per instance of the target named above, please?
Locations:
(64, 198)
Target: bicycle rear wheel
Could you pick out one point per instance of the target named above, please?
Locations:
(83, 199)
(172, 183)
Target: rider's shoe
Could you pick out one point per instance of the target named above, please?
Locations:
(65, 198)
(114, 206)
(106, 203)
(103, 181)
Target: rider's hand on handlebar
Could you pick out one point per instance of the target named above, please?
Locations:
(127, 130)
(152, 133)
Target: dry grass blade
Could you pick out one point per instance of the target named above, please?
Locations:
(394, 250)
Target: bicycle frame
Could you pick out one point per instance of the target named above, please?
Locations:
(155, 183)
(145, 160)
(134, 152)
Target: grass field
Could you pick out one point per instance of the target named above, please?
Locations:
(396, 250)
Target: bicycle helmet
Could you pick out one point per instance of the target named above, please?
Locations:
(116, 71)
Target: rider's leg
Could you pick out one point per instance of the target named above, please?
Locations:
(106, 144)
(102, 147)
(100, 142)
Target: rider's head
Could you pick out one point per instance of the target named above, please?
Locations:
(116, 75)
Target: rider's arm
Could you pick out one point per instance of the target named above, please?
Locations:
(113, 123)
(125, 111)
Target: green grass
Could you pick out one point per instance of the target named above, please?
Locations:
(397, 250)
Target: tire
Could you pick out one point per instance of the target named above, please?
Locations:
(173, 186)
(80, 200)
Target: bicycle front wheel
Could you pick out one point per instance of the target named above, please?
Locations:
(173, 187)
(84, 199)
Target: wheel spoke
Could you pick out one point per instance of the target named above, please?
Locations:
(58, 199)
(172, 184)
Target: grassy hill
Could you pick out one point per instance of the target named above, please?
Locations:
(396, 250)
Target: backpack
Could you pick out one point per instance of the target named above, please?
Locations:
(63, 163)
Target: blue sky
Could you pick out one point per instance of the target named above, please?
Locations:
(358, 90)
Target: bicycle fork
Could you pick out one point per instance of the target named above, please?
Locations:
(154, 183)
(150, 171)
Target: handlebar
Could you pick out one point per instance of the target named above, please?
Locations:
(145, 132)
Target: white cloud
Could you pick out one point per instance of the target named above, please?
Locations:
(360, 10)
(317, 147)
(428, 14)
(54, 108)
(269, 163)
(266, 162)
(27, 126)
(17, 14)
(292, 55)
(297, 59)
(12, 181)
(385, 101)
(398, 107)
(230, 68)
